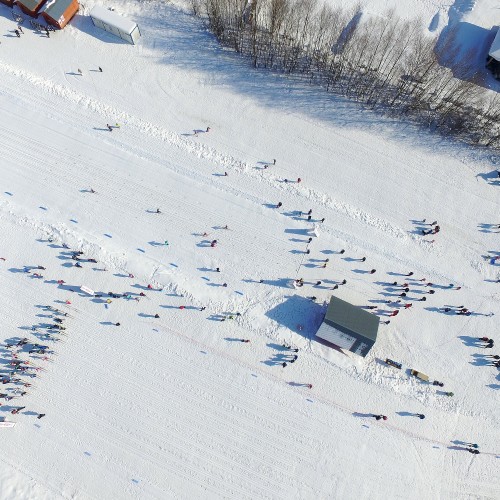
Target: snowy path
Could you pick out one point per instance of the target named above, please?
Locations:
(177, 407)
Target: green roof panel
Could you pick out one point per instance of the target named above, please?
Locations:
(352, 318)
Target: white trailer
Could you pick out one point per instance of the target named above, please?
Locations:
(119, 26)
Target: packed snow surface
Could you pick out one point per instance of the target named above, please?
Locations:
(176, 406)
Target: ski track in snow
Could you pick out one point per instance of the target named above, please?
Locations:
(196, 149)
(177, 407)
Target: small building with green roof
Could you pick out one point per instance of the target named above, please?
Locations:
(349, 327)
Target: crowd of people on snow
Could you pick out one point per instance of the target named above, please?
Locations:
(26, 356)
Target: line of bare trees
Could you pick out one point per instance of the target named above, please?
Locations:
(387, 63)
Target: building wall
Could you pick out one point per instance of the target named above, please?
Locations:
(349, 341)
(331, 334)
(136, 34)
(361, 348)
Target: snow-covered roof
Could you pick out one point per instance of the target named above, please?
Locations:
(30, 4)
(109, 17)
(495, 47)
(56, 8)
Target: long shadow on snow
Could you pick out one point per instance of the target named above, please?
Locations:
(187, 44)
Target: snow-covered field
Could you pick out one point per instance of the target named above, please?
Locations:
(176, 406)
